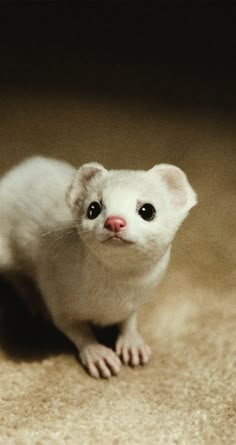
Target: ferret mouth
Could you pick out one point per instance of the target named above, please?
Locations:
(115, 239)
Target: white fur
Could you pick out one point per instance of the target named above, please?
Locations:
(84, 276)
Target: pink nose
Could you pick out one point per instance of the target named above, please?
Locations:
(115, 223)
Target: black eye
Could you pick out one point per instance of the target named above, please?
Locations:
(94, 210)
(147, 212)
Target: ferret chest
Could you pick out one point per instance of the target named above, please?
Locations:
(107, 302)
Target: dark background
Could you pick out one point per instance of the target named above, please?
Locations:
(171, 51)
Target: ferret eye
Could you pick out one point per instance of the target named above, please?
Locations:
(94, 210)
(147, 212)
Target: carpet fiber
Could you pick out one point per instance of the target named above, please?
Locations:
(187, 393)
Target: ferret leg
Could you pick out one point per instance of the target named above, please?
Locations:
(130, 346)
(99, 360)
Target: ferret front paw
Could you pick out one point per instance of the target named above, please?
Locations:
(132, 349)
(100, 361)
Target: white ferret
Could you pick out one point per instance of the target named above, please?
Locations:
(96, 242)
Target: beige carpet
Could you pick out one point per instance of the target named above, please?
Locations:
(187, 394)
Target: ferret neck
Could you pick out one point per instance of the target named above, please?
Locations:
(130, 265)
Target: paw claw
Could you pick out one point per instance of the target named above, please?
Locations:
(124, 355)
(135, 361)
(93, 371)
(100, 361)
(132, 350)
(103, 369)
(145, 354)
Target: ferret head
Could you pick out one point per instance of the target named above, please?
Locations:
(129, 212)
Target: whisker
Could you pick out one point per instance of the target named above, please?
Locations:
(55, 256)
(59, 229)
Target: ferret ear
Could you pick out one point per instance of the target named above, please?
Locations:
(87, 171)
(177, 184)
(81, 181)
